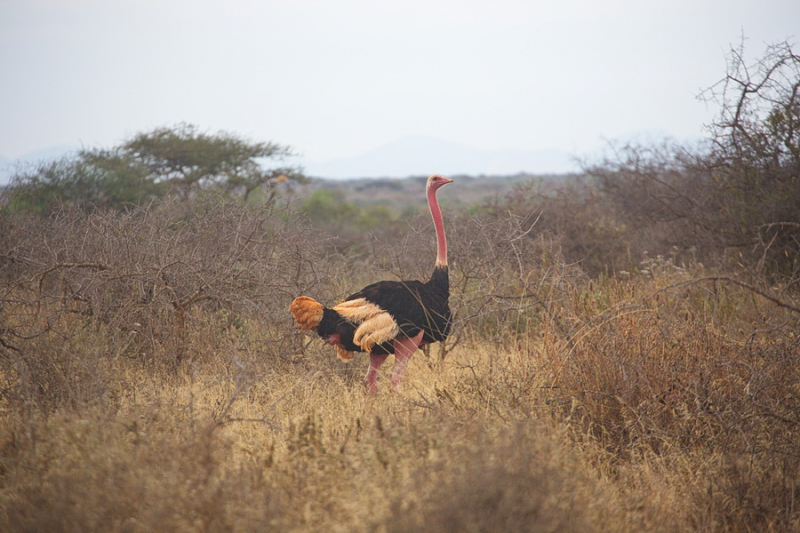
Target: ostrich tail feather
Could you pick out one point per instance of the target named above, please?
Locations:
(307, 312)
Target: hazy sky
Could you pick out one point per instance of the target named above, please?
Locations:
(337, 78)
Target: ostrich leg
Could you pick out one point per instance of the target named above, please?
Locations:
(404, 348)
(375, 362)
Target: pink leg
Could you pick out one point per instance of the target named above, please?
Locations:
(404, 348)
(375, 362)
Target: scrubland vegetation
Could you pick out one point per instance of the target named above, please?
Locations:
(625, 353)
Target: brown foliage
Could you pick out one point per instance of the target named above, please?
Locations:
(152, 379)
(138, 279)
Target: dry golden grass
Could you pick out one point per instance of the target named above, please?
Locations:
(666, 402)
(224, 447)
(649, 418)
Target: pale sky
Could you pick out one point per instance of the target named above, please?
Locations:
(337, 78)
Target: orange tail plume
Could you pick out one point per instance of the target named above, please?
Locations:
(307, 312)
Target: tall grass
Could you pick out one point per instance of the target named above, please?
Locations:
(663, 402)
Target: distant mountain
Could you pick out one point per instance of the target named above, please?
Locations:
(419, 155)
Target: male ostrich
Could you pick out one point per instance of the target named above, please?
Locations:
(389, 316)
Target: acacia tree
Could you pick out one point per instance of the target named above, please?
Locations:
(188, 160)
(180, 160)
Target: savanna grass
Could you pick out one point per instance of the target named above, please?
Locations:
(664, 402)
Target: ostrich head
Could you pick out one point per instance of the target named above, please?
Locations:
(436, 181)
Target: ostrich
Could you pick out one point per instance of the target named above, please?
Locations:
(389, 316)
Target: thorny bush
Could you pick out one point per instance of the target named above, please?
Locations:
(137, 279)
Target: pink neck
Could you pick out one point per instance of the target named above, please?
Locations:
(441, 241)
